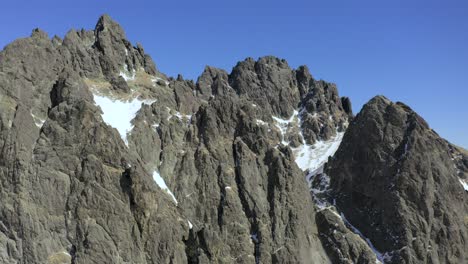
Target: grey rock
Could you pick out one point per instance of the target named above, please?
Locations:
(73, 191)
(118, 83)
(395, 180)
(342, 245)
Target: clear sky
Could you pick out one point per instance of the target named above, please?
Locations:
(410, 51)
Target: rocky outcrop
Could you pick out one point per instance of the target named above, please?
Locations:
(104, 51)
(342, 244)
(277, 90)
(397, 181)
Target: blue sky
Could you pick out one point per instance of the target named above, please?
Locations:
(410, 51)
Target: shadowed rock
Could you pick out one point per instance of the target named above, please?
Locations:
(396, 180)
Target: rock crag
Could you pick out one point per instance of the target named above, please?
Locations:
(104, 159)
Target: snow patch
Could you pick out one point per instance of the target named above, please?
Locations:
(119, 113)
(284, 124)
(179, 115)
(182, 116)
(162, 184)
(261, 122)
(312, 157)
(189, 224)
(128, 75)
(320, 190)
(38, 121)
(464, 184)
(155, 80)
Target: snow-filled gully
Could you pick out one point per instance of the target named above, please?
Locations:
(312, 158)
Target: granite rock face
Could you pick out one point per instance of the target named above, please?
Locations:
(399, 183)
(103, 159)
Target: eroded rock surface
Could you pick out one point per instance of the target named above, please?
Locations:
(104, 159)
(400, 184)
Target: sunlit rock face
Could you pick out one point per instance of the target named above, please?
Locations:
(399, 183)
(104, 159)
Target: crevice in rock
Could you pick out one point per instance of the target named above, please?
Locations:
(249, 213)
(222, 200)
(195, 244)
(191, 248)
(126, 186)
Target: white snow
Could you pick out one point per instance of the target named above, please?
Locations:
(227, 188)
(284, 124)
(308, 157)
(189, 224)
(464, 184)
(261, 122)
(321, 188)
(119, 113)
(179, 115)
(128, 75)
(155, 79)
(38, 121)
(162, 184)
(312, 157)
(182, 116)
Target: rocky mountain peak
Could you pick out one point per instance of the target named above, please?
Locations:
(107, 24)
(397, 180)
(39, 33)
(103, 159)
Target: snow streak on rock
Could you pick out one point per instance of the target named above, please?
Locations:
(38, 121)
(284, 124)
(162, 184)
(464, 184)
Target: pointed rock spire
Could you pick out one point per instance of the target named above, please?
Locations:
(107, 24)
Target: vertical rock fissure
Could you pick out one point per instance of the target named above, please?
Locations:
(126, 185)
(249, 213)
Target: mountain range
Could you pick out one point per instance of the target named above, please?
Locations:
(105, 159)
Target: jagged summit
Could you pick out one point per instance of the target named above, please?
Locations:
(106, 23)
(155, 169)
(405, 180)
(103, 159)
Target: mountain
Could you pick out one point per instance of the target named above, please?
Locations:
(398, 182)
(104, 159)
